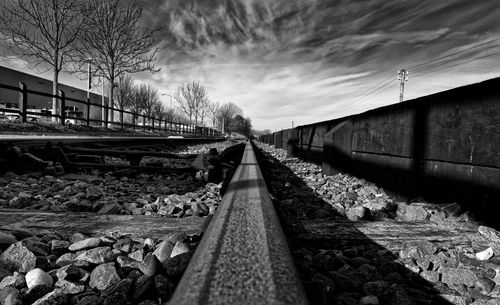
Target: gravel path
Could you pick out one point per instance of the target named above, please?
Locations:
(359, 270)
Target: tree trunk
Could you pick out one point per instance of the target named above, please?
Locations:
(111, 116)
(55, 85)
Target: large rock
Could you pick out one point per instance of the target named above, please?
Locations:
(68, 287)
(492, 236)
(66, 259)
(6, 239)
(35, 293)
(179, 248)
(6, 291)
(55, 297)
(148, 265)
(103, 276)
(458, 276)
(18, 257)
(69, 272)
(59, 247)
(4, 273)
(87, 243)
(16, 280)
(412, 212)
(143, 288)
(99, 255)
(163, 251)
(38, 277)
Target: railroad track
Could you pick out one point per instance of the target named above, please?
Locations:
(238, 253)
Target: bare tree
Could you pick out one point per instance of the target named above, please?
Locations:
(136, 103)
(192, 99)
(159, 110)
(114, 43)
(150, 99)
(227, 112)
(213, 110)
(43, 32)
(124, 93)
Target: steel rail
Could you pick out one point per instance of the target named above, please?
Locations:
(243, 257)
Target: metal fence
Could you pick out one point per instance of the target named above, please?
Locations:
(148, 122)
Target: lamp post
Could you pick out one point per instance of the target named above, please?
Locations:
(170, 98)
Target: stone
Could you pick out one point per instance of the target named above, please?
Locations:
(91, 300)
(59, 247)
(99, 255)
(411, 212)
(345, 282)
(13, 299)
(17, 280)
(3, 273)
(458, 276)
(6, 291)
(68, 287)
(55, 297)
(163, 251)
(455, 299)
(122, 288)
(148, 265)
(396, 295)
(175, 266)
(199, 208)
(110, 208)
(6, 239)
(66, 259)
(124, 244)
(77, 237)
(179, 248)
(484, 285)
(38, 277)
(369, 300)
(375, 288)
(103, 276)
(137, 255)
(148, 245)
(357, 212)
(69, 272)
(35, 293)
(164, 287)
(143, 288)
(87, 243)
(485, 254)
(127, 263)
(417, 249)
(430, 276)
(18, 257)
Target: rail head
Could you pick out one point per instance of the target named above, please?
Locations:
(243, 257)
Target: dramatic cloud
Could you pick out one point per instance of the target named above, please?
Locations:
(311, 60)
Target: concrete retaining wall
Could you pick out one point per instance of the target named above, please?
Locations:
(448, 143)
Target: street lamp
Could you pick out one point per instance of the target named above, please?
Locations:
(170, 98)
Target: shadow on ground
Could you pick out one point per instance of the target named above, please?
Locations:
(351, 272)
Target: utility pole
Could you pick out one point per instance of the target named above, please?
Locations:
(402, 77)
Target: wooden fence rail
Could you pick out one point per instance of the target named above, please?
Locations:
(23, 111)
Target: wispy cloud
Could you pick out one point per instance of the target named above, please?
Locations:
(311, 60)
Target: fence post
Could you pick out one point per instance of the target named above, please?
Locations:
(153, 123)
(23, 101)
(122, 118)
(63, 107)
(144, 122)
(106, 119)
(88, 111)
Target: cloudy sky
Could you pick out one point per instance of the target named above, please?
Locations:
(312, 60)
